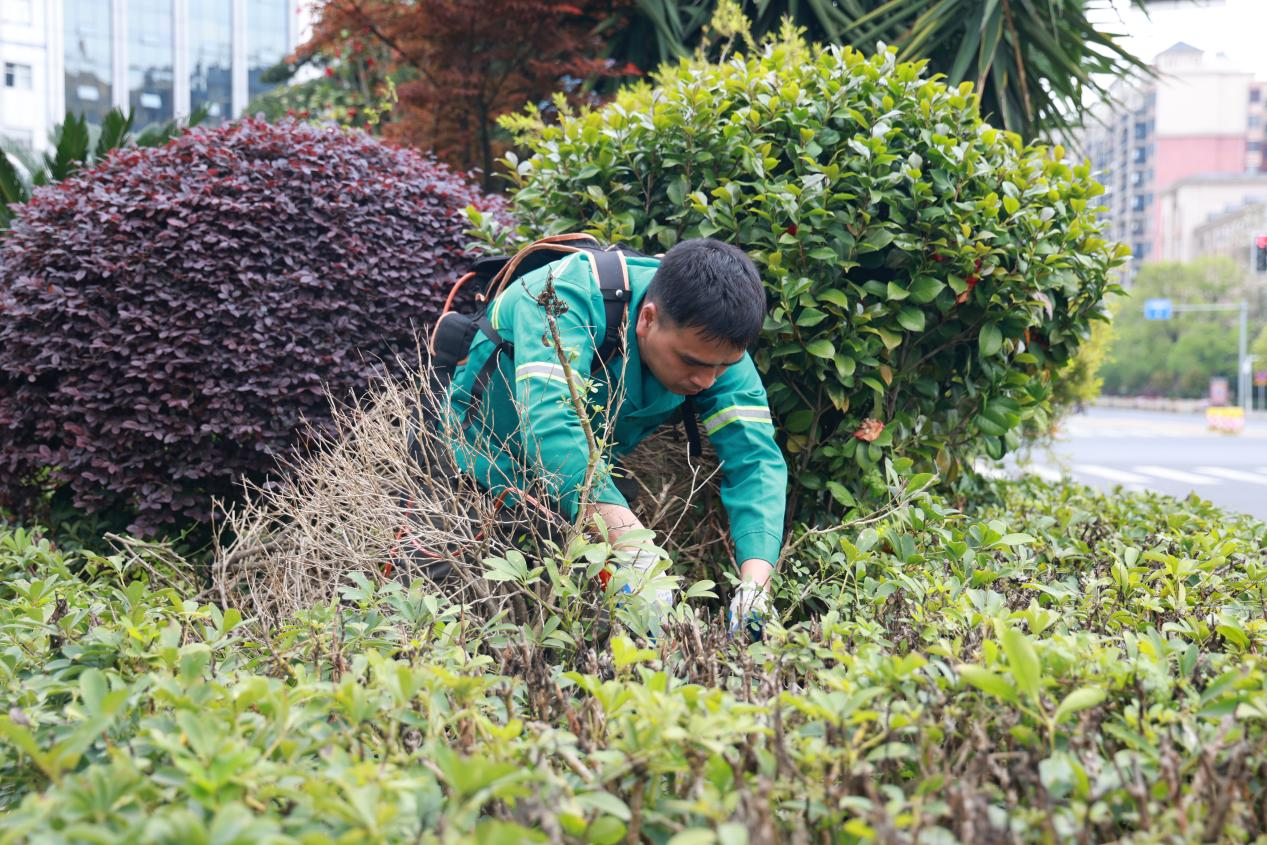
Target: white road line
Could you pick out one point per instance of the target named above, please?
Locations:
(1176, 475)
(988, 470)
(1234, 475)
(1046, 473)
(1120, 476)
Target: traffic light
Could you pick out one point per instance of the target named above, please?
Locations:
(1260, 254)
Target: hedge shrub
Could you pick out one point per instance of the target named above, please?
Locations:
(1072, 667)
(170, 319)
(925, 269)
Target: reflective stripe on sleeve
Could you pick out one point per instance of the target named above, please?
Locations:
(540, 370)
(747, 413)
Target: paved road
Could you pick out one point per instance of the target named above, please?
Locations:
(1170, 453)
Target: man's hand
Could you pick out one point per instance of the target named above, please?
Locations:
(751, 604)
(643, 561)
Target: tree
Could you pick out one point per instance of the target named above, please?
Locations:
(925, 286)
(1175, 357)
(459, 64)
(1031, 61)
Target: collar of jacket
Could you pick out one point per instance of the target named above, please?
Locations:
(644, 395)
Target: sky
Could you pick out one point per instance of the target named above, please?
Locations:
(1235, 27)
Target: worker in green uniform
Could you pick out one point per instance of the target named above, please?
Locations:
(691, 317)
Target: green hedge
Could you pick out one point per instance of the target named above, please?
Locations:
(925, 269)
(1065, 666)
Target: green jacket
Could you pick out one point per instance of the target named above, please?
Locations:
(549, 446)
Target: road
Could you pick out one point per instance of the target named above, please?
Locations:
(1170, 453)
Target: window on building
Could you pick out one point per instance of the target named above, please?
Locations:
(211, 58)
(1255, 121)
(267, 41)
(1141, 130)
(1255, 94)
(150, 56)
(88, 58)
(1139, 155)
(17, 76)
(1255, 146)
(1137, 202)
(15, 11)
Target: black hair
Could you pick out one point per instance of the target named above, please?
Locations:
(711, 286)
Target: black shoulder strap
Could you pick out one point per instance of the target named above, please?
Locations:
(501, 346)
(613, 281)
(690, 423)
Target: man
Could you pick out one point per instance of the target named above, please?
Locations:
(691, 317)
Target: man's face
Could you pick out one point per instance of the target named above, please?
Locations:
(681, 359)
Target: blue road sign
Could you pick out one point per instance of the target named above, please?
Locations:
(1158, 309)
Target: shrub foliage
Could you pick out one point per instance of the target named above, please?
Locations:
(170, 319)
(1070, 667)
(924, 269)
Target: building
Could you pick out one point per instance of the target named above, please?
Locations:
(1193, 118)
(1234, 233)
(1187, 207)
(159, 58)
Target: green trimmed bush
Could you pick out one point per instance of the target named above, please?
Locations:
(924, 269)
(1065, 666)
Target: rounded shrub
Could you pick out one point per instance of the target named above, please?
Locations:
(171, 320)
(928, 274)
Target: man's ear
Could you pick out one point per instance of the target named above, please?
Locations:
(647, 316)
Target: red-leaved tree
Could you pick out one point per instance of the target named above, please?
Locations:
(462, 63)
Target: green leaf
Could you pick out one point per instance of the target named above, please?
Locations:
(833, 296)
(12, 188)
(912, 319)
(925, 289)
(1014, 540)
(625, 653)
(677, 190)
(991, 340)
(732, 833)
(93, 690)
(1235, 636)
(1080, 699)
(605, 830)
(821, 348)
(988, 682)
(695, 836)
(605, 802)
(1022, 660)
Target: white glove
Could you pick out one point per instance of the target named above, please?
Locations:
(642, 562)
(749, 608)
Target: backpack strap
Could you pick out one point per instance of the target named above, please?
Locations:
(613, 281)
(690, 423)
(501, 346)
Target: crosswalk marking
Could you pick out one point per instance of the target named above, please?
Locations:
(989, 470)
(1046, 473)
(1142, 475)
(1120, 476)
(1176, 474)
(1235, 475)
